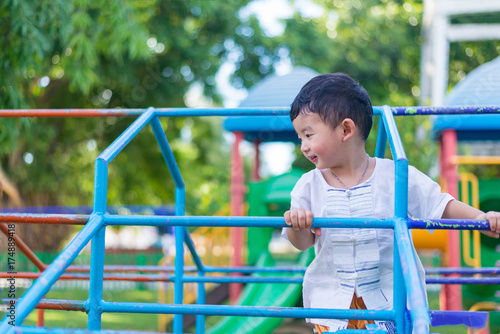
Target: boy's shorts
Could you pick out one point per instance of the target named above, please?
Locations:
(358, 304)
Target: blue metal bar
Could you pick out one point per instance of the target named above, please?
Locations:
(247, 311)
(166, 151)
(399, 292)
(119, 144)
(381, 139)
(50, 275)
(201, 300)
(242, 279)
(100, 185)
(192, 249)
(96, 279)
(250, 270)
(216, 221)
(464, 271)
(395, 142)
(418, 302)
(180, 231)
(448, 224)
(178, 280)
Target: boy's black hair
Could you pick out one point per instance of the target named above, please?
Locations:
(335, 97)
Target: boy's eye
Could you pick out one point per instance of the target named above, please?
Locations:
(308, 135)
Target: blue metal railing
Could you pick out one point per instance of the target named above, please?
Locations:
(406, 281)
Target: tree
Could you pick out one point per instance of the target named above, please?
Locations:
(378, 44)
(107, 54)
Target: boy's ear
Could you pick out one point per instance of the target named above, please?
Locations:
(349, 128)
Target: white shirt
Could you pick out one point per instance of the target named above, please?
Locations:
(359, 260)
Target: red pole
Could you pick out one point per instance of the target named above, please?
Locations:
(256, 164)
(451, 298)
(237, 198)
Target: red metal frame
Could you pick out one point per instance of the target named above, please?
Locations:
(451, 295)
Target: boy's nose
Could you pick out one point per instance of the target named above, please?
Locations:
(303, 147)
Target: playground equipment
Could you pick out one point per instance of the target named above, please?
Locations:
(407, 288)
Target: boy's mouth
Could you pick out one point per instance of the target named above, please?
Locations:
(313, 159)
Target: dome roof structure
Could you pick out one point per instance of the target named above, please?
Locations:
(274, 91)
(481, 87)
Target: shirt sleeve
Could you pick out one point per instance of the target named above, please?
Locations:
(300, 198)
(425, 199)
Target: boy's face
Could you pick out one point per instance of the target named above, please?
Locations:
(319, 143)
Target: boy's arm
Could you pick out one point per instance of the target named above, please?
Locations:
(459, 210)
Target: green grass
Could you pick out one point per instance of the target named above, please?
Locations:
(115, 321)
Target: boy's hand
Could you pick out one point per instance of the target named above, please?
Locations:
(493, 218)
(301, 219)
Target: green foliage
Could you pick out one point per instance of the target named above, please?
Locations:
(118, 54)
(378, 43)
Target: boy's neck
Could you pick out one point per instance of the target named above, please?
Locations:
(355, 168)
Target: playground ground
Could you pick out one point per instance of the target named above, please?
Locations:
(148, 322)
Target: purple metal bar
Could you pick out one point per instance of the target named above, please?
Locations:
(38, 330)
(448, 224)
(463, 280)
(469, 319)
(455, 110)
(242, 279)
(169, 278)
(464, 271)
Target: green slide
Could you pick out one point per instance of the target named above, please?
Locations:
(263, 294)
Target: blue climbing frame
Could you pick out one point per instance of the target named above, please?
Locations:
(407, 287)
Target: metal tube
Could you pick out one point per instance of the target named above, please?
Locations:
(418, 303)
(247, 311)
(56, 304)
(464, 271)
(23, 248)
(70, 112)
(192, 249)
(448, 224)
(265, 111)
(247, 279)
(34, 330)
(450, 110)
(54, 271)
(463, 280)
(166, 151)
(381, 139)
(395, 143)
(218, 221)
(399, 292)
(178, 280)
(34, 218)
(119, 144)
(96, 279)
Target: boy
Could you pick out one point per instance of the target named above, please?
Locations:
(332, 115)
